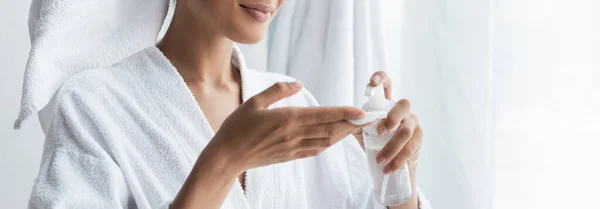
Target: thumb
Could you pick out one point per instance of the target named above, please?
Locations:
(278, 91)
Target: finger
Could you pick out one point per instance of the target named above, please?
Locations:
(413, 160)
(379, 78)
(398, 141)
(308, 153)
(417, 138)
(400, 111)
(407, 152)
(315, 144)
(395, 165)
(341, 128)
(276, 92)
(321, 115)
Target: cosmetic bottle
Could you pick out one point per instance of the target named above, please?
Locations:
(395, 188)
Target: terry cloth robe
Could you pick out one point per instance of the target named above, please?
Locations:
(128, 135)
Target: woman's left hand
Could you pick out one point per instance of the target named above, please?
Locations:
(405, 145)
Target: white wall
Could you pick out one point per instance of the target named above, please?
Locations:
(20, 151)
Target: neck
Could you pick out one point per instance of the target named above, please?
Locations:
(198, 53)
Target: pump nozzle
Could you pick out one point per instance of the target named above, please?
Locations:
(377, 106)
(376, 97)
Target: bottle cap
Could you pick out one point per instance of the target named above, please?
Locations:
(376, 95)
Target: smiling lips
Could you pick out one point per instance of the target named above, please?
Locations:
(259, 12)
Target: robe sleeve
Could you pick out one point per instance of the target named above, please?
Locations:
(76, 170)
(69, 179)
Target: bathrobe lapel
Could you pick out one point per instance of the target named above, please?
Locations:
(260, 182)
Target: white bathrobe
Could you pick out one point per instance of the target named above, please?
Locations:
(128, 135)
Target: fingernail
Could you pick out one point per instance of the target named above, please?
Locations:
(380, 160)
(376, 78)
(296, 84)
(357, 116)
(382, 130)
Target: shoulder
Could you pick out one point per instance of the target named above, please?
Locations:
(83, 106)
(90, 94)
(86, 92)
(95, 84)
(264, 80)
(89, 82)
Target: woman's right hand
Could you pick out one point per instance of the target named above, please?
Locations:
(254, 136)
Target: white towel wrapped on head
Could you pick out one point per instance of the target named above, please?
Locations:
(69, 36)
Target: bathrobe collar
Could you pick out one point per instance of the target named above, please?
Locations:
(258, 180)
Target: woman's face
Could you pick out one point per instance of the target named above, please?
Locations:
(243, 21)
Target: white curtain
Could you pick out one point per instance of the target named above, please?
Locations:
(508, 92)
(341, 36)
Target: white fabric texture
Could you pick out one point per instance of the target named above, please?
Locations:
(69, 36)
(112, 144)
(127, 136)
(331, 46)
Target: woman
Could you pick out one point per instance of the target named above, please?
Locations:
(139, 134)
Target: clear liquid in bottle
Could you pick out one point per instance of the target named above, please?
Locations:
(392, 189)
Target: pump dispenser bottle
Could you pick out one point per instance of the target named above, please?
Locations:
(392, 189)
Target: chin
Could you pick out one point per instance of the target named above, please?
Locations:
(252, 40)
(248, 37)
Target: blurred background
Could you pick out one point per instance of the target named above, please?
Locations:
(507, 91)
